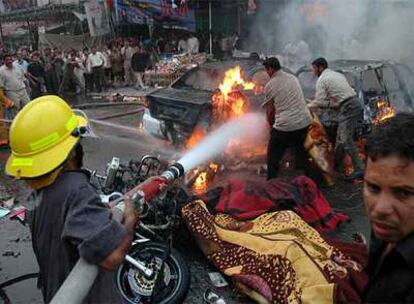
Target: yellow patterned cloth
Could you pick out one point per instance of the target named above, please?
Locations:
(275, 258)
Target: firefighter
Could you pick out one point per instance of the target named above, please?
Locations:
(69, 220)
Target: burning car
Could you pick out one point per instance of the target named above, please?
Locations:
(383, 88)
(207, 94)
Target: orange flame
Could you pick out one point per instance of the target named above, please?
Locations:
(228, 102)
(384, 111)
(204, 178)
(237, 107)
(213, 167)
(197, 135)
(233, 79)
(200, 184)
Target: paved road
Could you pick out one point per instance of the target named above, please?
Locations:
(16, 257)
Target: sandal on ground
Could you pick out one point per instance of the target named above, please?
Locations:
(212, 298)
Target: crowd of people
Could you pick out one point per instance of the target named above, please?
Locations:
(26, 74)
(53, 70)
(120, 62)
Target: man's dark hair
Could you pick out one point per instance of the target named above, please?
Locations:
(272, 62)
(7, 55)
(320, 62)
(393, 137)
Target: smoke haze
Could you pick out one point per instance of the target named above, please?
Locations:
(347, 29)
(247, 128)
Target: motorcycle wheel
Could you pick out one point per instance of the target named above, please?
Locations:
(136, 288)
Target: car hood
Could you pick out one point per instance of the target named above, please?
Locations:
(183, 95)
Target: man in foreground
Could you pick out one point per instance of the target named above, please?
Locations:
(389, 201)
(69, 220)
(334, 91)
(287, 114)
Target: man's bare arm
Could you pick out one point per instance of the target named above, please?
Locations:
(7, 103)
(270, 112)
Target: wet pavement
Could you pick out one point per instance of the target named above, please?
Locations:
(16, 255)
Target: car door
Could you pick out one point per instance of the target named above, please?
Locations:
(406, 78)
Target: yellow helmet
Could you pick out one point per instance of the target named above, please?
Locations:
(41, 137)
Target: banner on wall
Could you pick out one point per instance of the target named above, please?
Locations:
(97, 17)
(13, 5)
(168, 13)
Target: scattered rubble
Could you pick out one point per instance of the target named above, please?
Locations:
(217, 279)
(11, 253)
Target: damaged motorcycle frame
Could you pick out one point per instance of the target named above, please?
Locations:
(153, 271)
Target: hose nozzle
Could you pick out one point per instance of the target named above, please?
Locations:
(173, 172)
(152, 187)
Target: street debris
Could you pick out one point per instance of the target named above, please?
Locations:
(217, 279)
(4, 212)
(123, 98)
(18, 213)
(12, 254)
(211, 297)
(8, 204)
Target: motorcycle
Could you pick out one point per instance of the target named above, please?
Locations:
(153, 271)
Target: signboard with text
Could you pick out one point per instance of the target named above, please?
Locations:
(13, 5)
(169, 13)
(97, 18)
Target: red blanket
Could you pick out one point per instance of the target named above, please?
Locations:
(245, 200)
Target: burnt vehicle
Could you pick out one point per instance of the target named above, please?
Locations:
(383, 88)
(187, 103)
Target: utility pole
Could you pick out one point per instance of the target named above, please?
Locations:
(210, 29)
(1, 34)
(30, 34)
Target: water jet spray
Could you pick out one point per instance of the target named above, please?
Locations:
(80, 280)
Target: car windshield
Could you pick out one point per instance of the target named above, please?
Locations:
(384, 81)
(375, 79)
(407, 76)
(201, 78)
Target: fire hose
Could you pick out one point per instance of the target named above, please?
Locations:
(78, 283)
